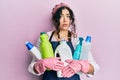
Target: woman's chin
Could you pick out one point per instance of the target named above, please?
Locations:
(65, 29)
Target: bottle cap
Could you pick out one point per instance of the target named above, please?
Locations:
(81, 39)
(29, 45)
(42, 33)
(88, 39)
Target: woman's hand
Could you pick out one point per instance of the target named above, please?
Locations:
(48, 63)
(75, 66)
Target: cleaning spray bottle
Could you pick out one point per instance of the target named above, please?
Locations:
(86, 48)
(64, 52)
(45, 46)
(33, 50)
(77, 52)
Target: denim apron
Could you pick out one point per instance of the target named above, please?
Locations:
(52, 75)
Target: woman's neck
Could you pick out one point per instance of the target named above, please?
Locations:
(62, 35)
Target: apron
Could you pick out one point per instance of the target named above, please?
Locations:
(52, 75)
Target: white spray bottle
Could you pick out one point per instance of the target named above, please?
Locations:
(86, 48)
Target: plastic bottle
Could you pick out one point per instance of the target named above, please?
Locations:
(77, 51)
(64, 52)
(86, 48)
(33, 50)
(45, 46)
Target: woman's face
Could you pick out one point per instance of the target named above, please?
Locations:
(65, 20)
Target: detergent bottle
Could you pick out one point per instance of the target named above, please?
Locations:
(33, 50)
(45, 46)
(77, 52)
(86, 48)
(64, 52)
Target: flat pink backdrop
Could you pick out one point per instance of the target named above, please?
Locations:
(23, 20)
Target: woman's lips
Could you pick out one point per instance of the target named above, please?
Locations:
(64, 25)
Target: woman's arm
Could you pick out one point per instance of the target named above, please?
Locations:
(93, 65)
(31, 68)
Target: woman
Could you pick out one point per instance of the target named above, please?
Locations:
(63, 20)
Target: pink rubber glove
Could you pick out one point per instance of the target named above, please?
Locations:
(49, 63)
(75, 66)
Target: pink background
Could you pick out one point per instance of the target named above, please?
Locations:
(23, 20)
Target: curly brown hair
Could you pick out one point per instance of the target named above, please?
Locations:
(56, 21)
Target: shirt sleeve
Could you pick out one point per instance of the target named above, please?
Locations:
(31, 65)
(93, 63)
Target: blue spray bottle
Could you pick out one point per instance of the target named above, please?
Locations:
(64, 52)
(77, 51)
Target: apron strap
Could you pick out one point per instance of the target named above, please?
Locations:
(51, 36)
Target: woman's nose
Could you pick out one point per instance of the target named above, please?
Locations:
(65, 19)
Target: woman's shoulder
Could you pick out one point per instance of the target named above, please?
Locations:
(49, 33)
